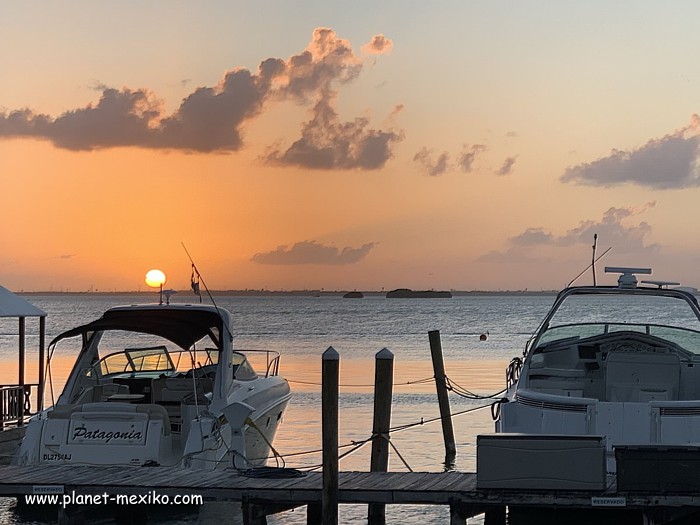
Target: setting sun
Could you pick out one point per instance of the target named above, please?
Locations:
(155, 278)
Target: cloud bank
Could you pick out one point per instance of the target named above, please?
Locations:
(670, 162)
(310, 252)
(211, 119)
(611, 229)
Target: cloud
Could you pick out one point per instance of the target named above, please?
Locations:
(211, 119)
(310, 252)
(207, 120)
(435, 164)
(326, 60)
(666, 163)
(432, 165)
(378, 45)
(507, 166)
(468, 156)
(328, 143)
(532, 237)
(612, 230)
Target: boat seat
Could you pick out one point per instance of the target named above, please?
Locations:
(170, 392)
(640, 377)
(172, 389)
(557, 381)
(99, 393)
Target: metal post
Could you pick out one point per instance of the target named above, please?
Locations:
(22, 326)
(329, 425)
(20, 396)
(443, 399)
(42, 344)
(383, 386)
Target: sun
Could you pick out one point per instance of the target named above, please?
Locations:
(155, 278)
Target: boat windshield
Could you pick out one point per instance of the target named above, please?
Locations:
(590, 315)
(152, 361)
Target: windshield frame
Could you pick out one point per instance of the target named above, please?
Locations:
(545, 326)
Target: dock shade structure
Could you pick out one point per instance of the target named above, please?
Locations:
(15, 399)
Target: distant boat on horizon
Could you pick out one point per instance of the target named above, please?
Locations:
(406, 293)
(353, 295)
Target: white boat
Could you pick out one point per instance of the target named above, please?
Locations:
(621, 362)
(160, 385)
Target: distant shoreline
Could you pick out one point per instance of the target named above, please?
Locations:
(293, 293)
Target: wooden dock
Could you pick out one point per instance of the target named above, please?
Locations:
(263, 496)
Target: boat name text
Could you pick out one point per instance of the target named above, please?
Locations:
(100, 435)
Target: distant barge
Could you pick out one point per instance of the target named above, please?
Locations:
(405, 293)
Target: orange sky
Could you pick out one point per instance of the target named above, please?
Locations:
(345, 147)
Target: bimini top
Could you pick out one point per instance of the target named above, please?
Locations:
(184, 325)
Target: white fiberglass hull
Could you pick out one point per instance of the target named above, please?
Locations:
(112, 433)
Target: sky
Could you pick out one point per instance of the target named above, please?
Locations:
(461, 145)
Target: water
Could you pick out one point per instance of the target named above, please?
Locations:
(302, 328)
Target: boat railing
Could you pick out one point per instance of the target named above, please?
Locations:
(272, 360)
(16, 402)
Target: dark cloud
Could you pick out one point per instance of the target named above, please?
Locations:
(468, 156)
(207, 120)
(432, 165)
(507, 166)
(328, 143)
(212, 118)
(310, 252)
(665, 163)
(612, 230)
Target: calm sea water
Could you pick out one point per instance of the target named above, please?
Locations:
(302, 328)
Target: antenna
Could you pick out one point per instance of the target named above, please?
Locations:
(195, 286)
(587, 267)
(595, 243)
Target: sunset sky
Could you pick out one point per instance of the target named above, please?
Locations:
(347, 145)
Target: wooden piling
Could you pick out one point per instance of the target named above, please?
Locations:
(379, 462)
(443, 399)
(329, 428)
